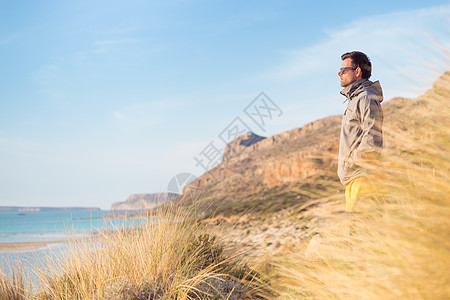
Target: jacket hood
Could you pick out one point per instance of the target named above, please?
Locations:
(357, 87)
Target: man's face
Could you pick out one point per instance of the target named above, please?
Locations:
(348, 75)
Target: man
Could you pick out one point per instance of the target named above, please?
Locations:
(361, 130)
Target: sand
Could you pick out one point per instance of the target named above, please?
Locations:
(26, 246)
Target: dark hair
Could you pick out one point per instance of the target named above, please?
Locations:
(361, 60)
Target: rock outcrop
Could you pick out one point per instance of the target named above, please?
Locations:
(268, 162)
(255, 169)
(246, 140)
(143, 201)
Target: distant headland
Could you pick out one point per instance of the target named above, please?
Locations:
(143, 201)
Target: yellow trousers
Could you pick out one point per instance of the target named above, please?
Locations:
(355, 190)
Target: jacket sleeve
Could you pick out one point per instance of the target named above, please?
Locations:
(371, 120)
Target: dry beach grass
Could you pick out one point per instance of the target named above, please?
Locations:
(162, 260)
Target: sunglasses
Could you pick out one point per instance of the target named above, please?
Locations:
(347, 68)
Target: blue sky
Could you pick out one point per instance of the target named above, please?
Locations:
(103, 99)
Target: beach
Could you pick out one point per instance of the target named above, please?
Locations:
(26, 246)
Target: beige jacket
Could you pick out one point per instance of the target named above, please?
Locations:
(361, 129)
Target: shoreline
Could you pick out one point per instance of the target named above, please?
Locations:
(27, 246)
(35, 245)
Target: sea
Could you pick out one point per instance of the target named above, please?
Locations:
(51, 226)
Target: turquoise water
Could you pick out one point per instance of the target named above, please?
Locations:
(57, 225)
(52, 226)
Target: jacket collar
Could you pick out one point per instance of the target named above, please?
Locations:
(349, 90)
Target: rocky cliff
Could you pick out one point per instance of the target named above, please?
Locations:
(284, 158)
(143, 201)
(266, 173)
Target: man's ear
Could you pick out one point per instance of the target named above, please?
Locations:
(359, 72)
